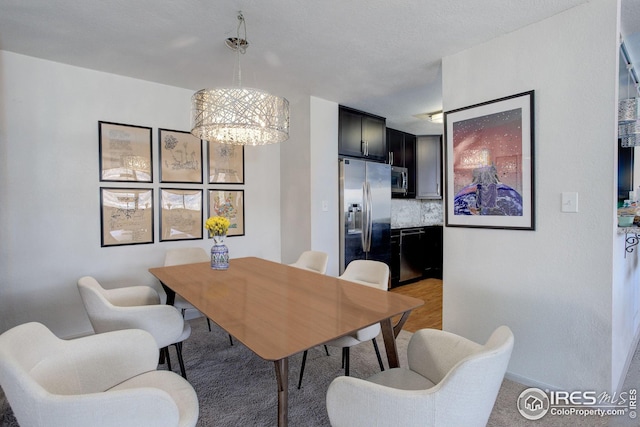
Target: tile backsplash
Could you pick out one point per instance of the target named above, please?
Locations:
(416, 213)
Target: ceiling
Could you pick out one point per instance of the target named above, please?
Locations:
(367, 54)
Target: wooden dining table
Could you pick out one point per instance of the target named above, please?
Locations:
(277, 310)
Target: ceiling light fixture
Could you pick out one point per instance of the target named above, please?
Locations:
(435, 117)
(239, 115)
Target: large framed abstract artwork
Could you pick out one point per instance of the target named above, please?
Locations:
(489, 164)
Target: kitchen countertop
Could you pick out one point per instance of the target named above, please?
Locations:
(415, 213)
(403, 226)
(632, 229)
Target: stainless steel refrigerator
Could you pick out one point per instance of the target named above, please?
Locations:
(365, 211)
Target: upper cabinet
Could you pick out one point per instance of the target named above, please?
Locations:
(402, 153)
(429, 167)
(362, 135)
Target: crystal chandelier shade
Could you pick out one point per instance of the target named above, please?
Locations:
(238, 115)
(629, 133)
(629, 108)
(629, 122)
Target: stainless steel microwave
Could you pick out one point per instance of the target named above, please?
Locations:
(399, 180)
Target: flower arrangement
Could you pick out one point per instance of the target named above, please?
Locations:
(217, 225)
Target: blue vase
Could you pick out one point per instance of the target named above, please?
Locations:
(219, 254)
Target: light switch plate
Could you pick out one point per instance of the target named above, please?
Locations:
(570, 202)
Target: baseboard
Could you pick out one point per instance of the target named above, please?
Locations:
(528, 382)
(627, 363)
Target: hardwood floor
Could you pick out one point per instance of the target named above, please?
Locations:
(430, 314)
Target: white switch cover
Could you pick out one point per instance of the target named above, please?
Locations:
(325, 206)
(569, 202)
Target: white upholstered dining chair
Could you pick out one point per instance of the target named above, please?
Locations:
(135, 307)
(450, 381)
(179, 256)
(103, 380)
(368, 273)
(312, 260)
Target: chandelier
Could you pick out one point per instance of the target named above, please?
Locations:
(629, 109)
(239, 115)
(628, 122)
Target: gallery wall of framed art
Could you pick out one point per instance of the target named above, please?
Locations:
(184, 191)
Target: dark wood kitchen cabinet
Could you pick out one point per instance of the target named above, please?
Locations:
(402, 153)
(429, 167)
(395, 257)
(432, 250)
(362, 135)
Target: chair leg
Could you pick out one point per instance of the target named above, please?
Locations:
(209, 324)
(164, 354)
(326, 350)
(230, 339)
(178, 346)
(375, 346)
(346, 360)
(304, 361)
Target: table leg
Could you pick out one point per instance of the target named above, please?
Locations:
(171, 294)
(282, 375)
(389, 334)
(390, 343)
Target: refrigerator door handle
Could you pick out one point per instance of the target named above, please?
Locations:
(363, 237)
(369, 218)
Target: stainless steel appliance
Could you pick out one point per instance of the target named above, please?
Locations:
(399, 180)
(365, 211)
(411, 253)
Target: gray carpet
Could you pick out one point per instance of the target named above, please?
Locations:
(237, 388)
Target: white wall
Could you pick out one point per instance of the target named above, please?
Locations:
(324, 181)
(49, 187)
(552, 286)
(295, 203)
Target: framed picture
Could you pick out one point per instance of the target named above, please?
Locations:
(180, 214)
(226, 163)
(489, 164)
(125, 152)
(229, 204)
(180, 157)
(126, 216)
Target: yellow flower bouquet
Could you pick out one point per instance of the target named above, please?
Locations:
(217, 226)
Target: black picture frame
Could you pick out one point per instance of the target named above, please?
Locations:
(125, 152)
(180, 156)
(181, 214)
(226, 163)
(489, 152)
(229, 204)
(126, 216)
